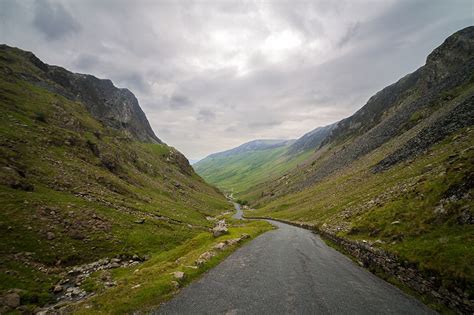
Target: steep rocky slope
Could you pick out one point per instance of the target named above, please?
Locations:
(114, 107)
(311, 140)
(419, 100)
(82, 178)
(394, 181)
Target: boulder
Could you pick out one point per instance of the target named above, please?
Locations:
(220, 246)
(57, 288)
(178, 275)
(204, 257)
(219, 230)
(50, 236)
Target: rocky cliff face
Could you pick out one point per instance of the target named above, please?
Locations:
(447, 66)
(412, 101)
(116, 108)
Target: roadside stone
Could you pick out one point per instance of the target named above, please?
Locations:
(175, 284)
(244, 236)
(199, 262)
(179, 275)
(218, 231)
(204, 257)
(220, 246)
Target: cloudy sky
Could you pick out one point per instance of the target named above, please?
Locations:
(212, 74)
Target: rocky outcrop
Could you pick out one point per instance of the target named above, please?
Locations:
(394, 110)
(460, 117)
(448, 65)
(116, 108)
(220, 229)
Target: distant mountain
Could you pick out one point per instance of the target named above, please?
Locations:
(311, 140)
(257, 161)
(193, 161)
(255, 145)
(246, 165)
(82, 178)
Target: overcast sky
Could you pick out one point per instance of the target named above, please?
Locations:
(211, 75)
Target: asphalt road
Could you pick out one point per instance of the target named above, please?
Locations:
(239, 213)
(290, 271)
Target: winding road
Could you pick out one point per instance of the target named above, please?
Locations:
(290, 271)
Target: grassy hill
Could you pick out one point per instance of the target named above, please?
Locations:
(242, 170)
(77, 185)
(258, 161)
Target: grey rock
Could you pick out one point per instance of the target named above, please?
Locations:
(58, 288)
(179, 275)
(11, 300)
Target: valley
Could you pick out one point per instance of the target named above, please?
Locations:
(85, 182)
(395, 178)
(372, 213)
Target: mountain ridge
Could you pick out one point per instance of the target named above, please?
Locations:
(86, 186)
(120, 111)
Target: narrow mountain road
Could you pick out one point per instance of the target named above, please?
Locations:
(239, 213)
(290, 271)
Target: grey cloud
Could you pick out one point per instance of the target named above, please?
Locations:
(86, 61)
(222, 72)
(349, 35)
(53, 20)
(206, 115)
(134, 81)
(179, 101)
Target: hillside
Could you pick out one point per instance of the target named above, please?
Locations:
(258, 161)
(398, 175)
(246, 165)
(83, 179)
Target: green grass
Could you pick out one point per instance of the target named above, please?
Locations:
(154, 276)
(88, 184)
(243, 170)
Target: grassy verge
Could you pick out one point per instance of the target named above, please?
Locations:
(144, 287)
